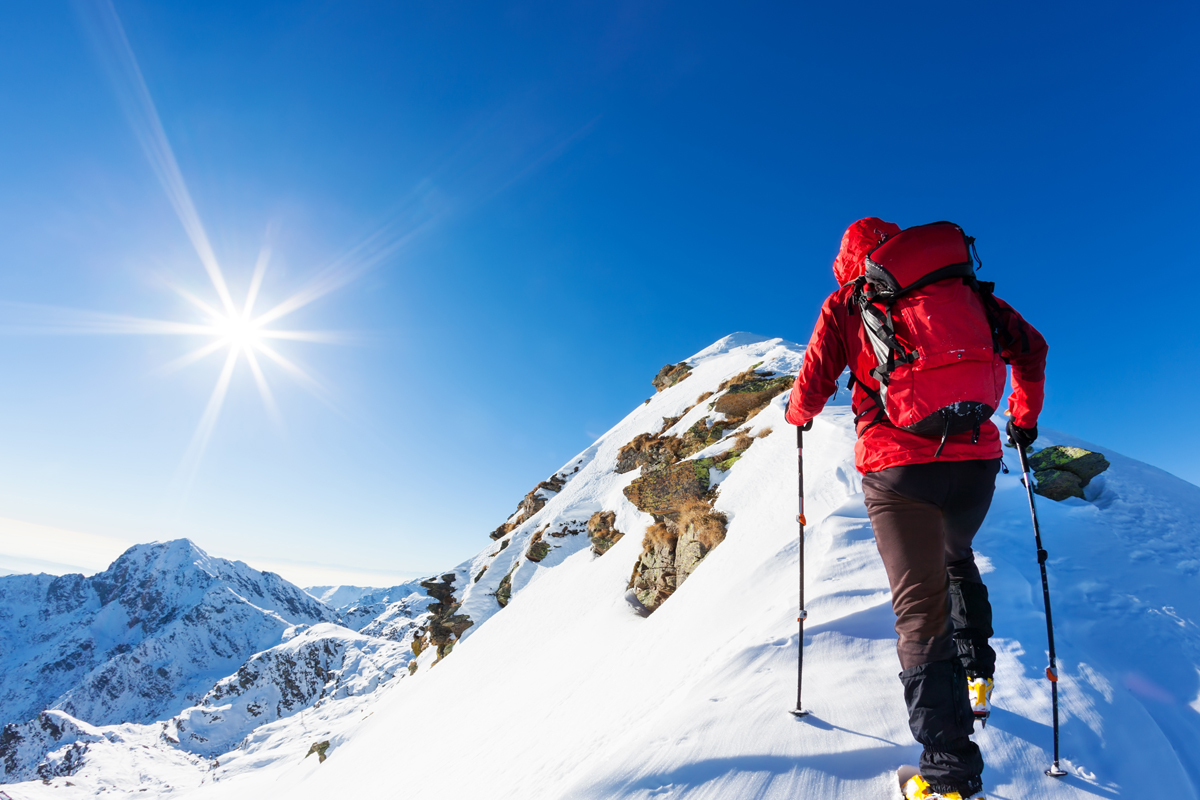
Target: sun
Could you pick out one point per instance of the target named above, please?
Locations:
(239, 332)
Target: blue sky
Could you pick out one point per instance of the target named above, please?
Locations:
(564, 197)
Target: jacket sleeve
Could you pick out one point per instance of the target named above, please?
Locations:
(824, 360)
(1026, 353)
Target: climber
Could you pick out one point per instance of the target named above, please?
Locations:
(927, 344)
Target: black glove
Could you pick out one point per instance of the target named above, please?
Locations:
(1021, 437)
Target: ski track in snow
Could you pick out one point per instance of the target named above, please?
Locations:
(569, 693)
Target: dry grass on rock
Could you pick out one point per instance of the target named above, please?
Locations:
(707, 525)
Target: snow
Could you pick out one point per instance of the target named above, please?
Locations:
(569, 693)
(339, 597)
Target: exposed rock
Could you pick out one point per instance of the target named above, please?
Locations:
(672, 549)
(538, 549)
(653, 579)
(700, 530)
(502, 531)
(670, 375)
(51, 745)
(647, 450)
(664, 491)
(749, 394)
(319, 748)
(1058, 484)
(602, 531)
(569, 528)
(1084, 463)
(704, 433)
(504, 590)
(654, 451)
(532, 503)
(445, 627)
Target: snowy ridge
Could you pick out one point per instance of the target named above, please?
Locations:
(567, 691)
(141, 640)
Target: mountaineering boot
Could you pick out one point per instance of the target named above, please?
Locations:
(917, 788)
(980, 692)
(939, 715)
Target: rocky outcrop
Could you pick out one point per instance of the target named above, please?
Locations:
(602, 531)
(532, 503)
(672, 550)
(319, 748)
(504, 589)
(24, 747)
(1062, 472)
(663, 491)
(686, 528)
(658, 450)
(445, 627)
(538, 549)
(744, 395)
(748, 393)
(670, 375)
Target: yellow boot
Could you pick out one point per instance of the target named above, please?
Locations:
(917, 788)
(980, 692)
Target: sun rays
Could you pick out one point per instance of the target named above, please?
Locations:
(238, 331)
(247, 335)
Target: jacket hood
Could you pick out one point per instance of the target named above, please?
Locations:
(859, 239)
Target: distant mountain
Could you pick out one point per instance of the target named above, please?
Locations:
(142, 640)
(386, 612)
(324, 663)
(337, 597)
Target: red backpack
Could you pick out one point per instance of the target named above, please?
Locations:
(934, 331)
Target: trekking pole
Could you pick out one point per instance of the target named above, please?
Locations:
(1051, 671)
(799, 710)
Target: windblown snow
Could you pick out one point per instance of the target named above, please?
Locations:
(569, 690)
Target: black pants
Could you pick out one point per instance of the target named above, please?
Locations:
(925, 517)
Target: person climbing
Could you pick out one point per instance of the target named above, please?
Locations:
(927, 344)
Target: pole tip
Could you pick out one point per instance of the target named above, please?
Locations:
(1054, 771)
(797, 712)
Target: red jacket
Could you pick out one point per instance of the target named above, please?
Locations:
(839, 341)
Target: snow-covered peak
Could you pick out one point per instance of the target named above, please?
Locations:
(338, 597)
(745, 343)
(142, 639)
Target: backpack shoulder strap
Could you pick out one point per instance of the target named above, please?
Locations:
(881, 331)
(875, 397)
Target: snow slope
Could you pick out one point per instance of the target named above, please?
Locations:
(568, 692)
